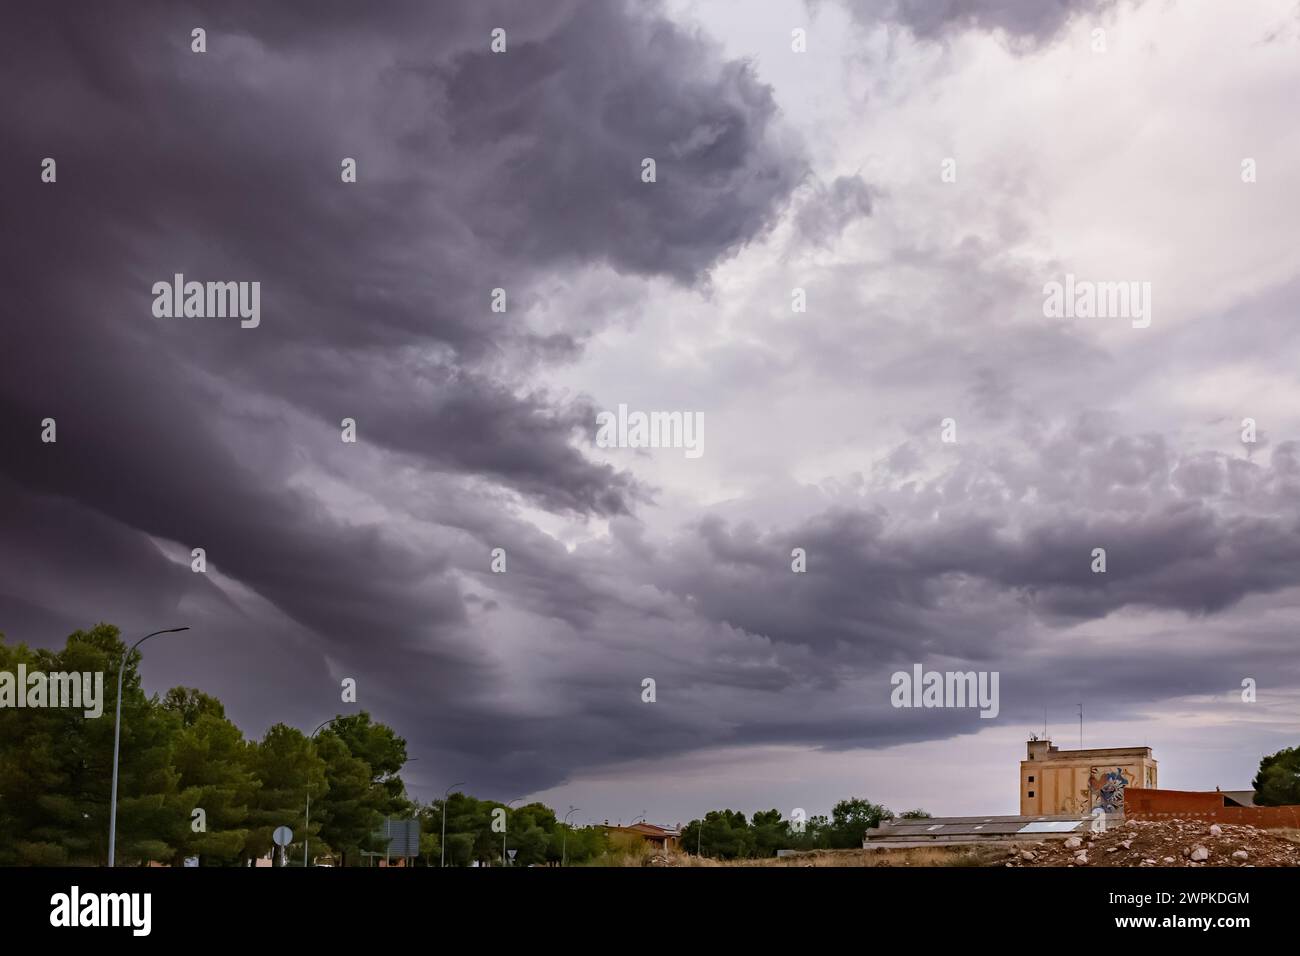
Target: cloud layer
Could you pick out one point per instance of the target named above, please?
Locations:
(522, 171)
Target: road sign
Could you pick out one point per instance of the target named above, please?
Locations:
(401, 837)
(282, 836)
(511, 854)
(191, 861)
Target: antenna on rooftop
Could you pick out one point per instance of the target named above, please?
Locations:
(1080, 725)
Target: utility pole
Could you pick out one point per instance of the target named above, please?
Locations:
(442, 847)
(564, 843)
(1080, 725)
(306, 827)
(117, 741)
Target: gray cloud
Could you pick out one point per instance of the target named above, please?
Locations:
(476, 171)
(830, 208)
(522, 171)
(1022, 20)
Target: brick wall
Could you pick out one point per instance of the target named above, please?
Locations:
(1141, 804)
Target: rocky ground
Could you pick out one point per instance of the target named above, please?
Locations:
(1163, 843)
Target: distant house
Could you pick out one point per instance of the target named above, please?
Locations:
(661, 838)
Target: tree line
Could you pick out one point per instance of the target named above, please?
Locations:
(727, 835)
(191, 785)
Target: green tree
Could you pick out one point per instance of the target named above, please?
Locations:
(460, 848)
(725, 835)
(469, 830)
(288, 769)
(349, 811)
(528, 832)
(216, 778)
(1278, 782)
(816, 834)
(362, 764)
(56, 764)
(383, 752)
(771, 833)
(577, 845)
(853, 817)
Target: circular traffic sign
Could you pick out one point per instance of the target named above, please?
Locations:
(282, 836)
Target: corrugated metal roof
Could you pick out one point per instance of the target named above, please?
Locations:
(978, 829)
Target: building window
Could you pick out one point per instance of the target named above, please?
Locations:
(1031, 779)
(1031, 793)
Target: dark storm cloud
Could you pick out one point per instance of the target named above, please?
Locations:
(227, 165)
(562, 128)
(476, 171)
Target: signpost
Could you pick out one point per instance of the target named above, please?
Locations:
(282, 836)
(401, 838)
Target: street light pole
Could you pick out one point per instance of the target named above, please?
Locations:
(442, 846)
(306, 826)
(564, 840)
(117, 740)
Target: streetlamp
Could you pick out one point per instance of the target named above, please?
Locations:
(503, 830)
(117, 739)
(442, 847)
(564, 840)
(306, 827)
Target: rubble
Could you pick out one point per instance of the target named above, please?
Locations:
(1167, 843)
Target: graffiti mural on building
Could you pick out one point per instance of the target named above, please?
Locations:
(1106, 788)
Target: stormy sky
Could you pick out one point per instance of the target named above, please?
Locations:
(1105, 140)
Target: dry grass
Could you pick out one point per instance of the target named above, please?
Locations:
(917, 856)
(928, 856)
